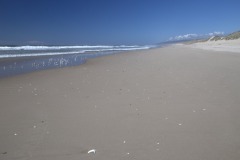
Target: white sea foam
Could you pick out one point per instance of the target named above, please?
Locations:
(95, 49)
(36, 54)
(59, 47)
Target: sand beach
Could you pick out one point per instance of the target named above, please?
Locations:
(171, 103)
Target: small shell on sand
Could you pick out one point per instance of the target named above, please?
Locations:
(92, 151)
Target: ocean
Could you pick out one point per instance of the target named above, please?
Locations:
(23, 59)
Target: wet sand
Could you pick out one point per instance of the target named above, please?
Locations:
(172, 103)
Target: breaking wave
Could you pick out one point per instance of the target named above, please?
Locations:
(32, 51)
(59, 47)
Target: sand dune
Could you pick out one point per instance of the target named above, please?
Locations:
(220, 45)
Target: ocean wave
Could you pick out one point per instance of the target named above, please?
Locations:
(36, 54)
(97, 50)
(60, 47)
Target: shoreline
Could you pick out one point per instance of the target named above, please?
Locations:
(8, 66)
(167, 103)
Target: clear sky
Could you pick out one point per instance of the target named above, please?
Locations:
(113, 22)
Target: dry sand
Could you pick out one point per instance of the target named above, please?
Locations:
(220, 45)
(172, 103)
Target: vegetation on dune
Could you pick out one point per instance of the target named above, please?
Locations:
(232, 36)
(216, 38)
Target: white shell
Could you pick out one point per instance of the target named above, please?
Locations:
(92, 151)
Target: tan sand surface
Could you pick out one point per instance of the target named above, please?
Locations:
(220, 45)
(171, 103)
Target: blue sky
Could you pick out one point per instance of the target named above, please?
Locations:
(113, 22)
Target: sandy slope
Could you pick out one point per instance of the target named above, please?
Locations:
(172, 103)
(220, 45)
